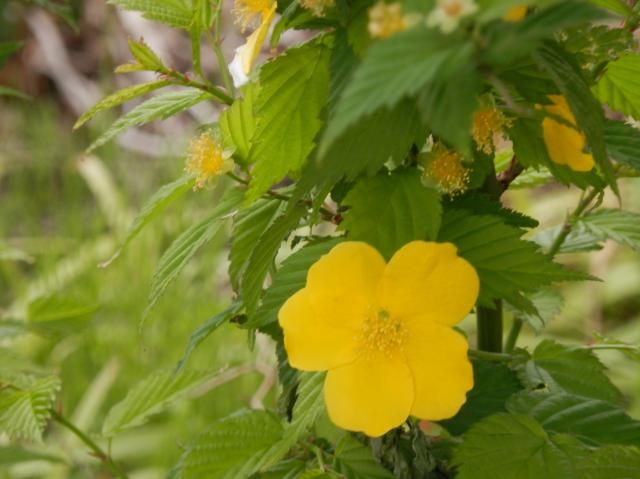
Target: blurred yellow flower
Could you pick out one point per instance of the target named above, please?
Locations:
(206, 159)
(515, 14)
(248, 12)
(565, 144)
(487, 124)
(318, 7)
(384, 333)
(446, 169)
(385, 19)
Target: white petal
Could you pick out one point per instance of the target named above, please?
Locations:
(237, 71)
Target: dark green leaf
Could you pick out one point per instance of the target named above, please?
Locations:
(354, 460)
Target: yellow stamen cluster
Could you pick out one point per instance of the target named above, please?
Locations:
(318, 7)
(487, 123)
(248, 11)
(447, 170)
(386, 19)
(382, 334)
(515, 14)
(205, 159)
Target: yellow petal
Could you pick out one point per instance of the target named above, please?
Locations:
(442, 373)
(342, 284)
(369, 396)
(515, 14)
(251, 49)
(429, 279)
(312, 343)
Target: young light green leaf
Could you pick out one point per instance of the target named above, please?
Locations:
(6, 91)
(619, 87)
(10, 455)
(290, 278)
(617, 6)
(150, 396)
(558, 368)
(224, 451)
(263, 254)
(293, 92)
(156, 108)
(393, 69)
(590, 420)
(611, 224)
(118, 98)
(146, 56)
(152, 208)
(507, 265)
(354, 460)
(183, 249)
(389, 211)
(175, 13)
(24, 410)
(7, 49)
(248, 226)
(237, 123)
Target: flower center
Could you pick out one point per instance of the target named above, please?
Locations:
(246, 11)
(448, 171)
(452, 8)
(205, 159)
(382, 334)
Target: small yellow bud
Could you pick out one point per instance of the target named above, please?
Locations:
(318, 7)
(515, 14)
(205, 159)
(447, 170)
(487, 123)
(386, 19)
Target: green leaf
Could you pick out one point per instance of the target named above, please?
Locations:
(248, 226)
(14, 455)
(558, 368)
(617, 225)
(184, 248)
(493, 384)
(7, 50)
(5, 91)
(623, 143)
(590, 420)
(263, 254)
(47, 311)
(293, 93)
(389, 211)
(482, 204)
(586, 109)
(516, 446)
(24, 411)
(617, 6)
(204, 331)
(507, 265)
(612, 462)
(510, 41)
(393, 69)
(447, 107)
(229, 445)
(151, 396)
(619, 87)
(152, 208)
(238, 124)
(290, 278)
(548, 303)
(175, 13)
(146, 56)
(354, 460)
(578, 241)
(119, 97)
(8, 253)
(157, 108)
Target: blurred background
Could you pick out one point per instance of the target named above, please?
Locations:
(62, 213)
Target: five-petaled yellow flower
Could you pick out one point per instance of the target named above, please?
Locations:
(565, 144)
(384, 333)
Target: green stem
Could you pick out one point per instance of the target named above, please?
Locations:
(216, 43)
(568, 224)
(98, 452)
(214, 90)
(618, 347)
(489, 323)
(513, 335)
(487, 356)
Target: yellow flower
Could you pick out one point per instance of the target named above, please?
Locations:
(565, 144)
(487, 123)
(383, 332)
(446, 169)
(318, 7)
(515, 14)
(386, 19)
(206, 159)
(247, 11)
